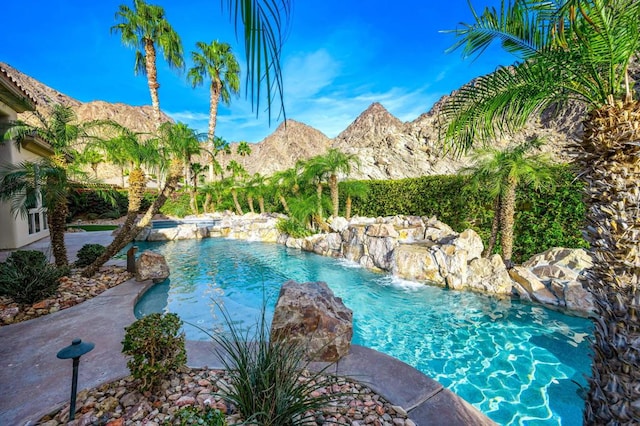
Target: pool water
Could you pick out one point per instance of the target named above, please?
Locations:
(517, 363)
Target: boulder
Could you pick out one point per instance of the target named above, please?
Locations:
(151, 266)
(381, 252)
(417, 262)
(490, 276)
(471, 242)
(381, 230)
(338, 224)
(310, 314)
(578, 299)
(576, 259)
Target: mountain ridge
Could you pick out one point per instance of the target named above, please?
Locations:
(386, 147)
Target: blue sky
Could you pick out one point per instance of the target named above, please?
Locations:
(339, 57)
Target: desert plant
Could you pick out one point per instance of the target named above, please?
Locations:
(156, 347)
(269, 380)
(28, 277)
(88, 253)
(190, 415)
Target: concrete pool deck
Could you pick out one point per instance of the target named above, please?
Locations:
(34, 382)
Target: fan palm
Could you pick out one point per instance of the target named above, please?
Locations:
(500, 172)
(146, 29)
(215, 62)
(51, 177)
(575, 50)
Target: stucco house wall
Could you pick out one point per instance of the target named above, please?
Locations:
(20, 230)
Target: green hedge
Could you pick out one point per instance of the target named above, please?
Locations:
(551, 217)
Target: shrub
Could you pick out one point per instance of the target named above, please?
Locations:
(293, 228)
(156, 347)
(265, 376)
(88, 253)
(28, 277)
(550, 217)
(190, 415)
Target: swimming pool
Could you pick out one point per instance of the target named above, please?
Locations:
(517, 363)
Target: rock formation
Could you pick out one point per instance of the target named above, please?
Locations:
(310, 315)
(419, 249)
(151, 266)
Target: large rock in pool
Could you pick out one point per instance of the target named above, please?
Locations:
(151, 266)
(311, 315)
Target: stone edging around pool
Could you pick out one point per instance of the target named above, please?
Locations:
(414, 248)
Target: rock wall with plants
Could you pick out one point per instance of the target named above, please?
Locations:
(416, 248)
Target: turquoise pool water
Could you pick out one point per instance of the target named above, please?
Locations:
(518, 363)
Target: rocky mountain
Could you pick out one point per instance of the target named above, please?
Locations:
(136, 118)
(280, 150)
(386, 147)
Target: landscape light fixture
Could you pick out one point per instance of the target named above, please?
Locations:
(75, 351)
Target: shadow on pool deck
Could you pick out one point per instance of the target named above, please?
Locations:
(34, 382)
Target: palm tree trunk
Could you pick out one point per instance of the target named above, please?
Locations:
(137, 183)
(612, 172)
(214, 98)
(495, 227)
(57, 219)
(261, 204)
(234, 194)
(285, 206)
(507, 214)
(319, 201)
(152, 79)
(348, 207)
(333, 187)
(125, 236)
(207, 203)
(250, 202)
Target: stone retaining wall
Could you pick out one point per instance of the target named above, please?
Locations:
(419, 249)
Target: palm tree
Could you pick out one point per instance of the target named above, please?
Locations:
(576, 51)
(50, 177)
(243, 149)
(196, 172)
(129, 148)
(216, 62)
(285, 182)
(500, 172)
(174, 140)
(235, 182)
(331, 164)
(145, 28)
(256, 187)
(353, 188)
(264, 23)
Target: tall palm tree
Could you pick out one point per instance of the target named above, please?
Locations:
(215, 62)
(243, 149)
(575, 50)
(500, 172)
(51, 176)
(146, 29)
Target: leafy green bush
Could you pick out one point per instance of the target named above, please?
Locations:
(293, 228)
(88, 253)
(156, 347)
(190, 415)
(550, 217)
(265, 376)
(28, 277)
